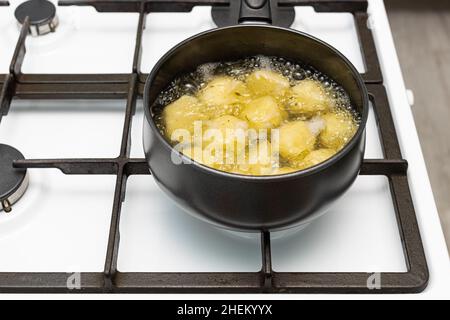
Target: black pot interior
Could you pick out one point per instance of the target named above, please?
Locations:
(233, 43)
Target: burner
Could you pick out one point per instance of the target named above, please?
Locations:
(13, 182)
(42, 14)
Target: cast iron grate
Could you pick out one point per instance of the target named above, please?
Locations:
(15, 84)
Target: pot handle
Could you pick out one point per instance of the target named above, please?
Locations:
(255, 11)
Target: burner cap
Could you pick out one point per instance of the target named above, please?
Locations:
(42, 14)
(13, 182)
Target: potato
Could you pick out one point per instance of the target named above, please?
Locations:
(230, 127)
(260, 159)
(309, 97)
(209, 156)
(296, 140)
(231, 133)
(267, 83)
(263, 113)
(193, 152)
(181, 114)
(213, 156)
(237, 170)
(283, 170)
(224, 96)
(317, 156)
(339, 129)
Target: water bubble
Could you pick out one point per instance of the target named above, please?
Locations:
(298, 76)
(190, 87)
(286, 72)
(264, 61)
(205, 71)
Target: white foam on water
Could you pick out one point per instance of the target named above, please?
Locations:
(316, 125)
(206, 70)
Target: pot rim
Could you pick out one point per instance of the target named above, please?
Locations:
(263, 178)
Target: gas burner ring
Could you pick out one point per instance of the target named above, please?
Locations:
(14, 182)
(42, 15)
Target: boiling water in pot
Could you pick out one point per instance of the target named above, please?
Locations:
(256, 116)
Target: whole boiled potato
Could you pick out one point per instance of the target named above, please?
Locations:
(260, 159)
(309, 97)
(263, 113)
(317, 156)
(230, 127)
(224, 96)
(267, 83)
(339, 129)
(238, 170)
(212, 156)
(193, 151)
(181, 114)
(230, 133)
(296, 140)
(283, 170)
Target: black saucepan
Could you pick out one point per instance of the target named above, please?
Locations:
(253, 202)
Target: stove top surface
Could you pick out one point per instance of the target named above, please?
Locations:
(68, 223)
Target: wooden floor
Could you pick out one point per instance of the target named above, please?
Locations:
(422, 36)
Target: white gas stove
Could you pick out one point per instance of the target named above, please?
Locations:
(62, 222)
